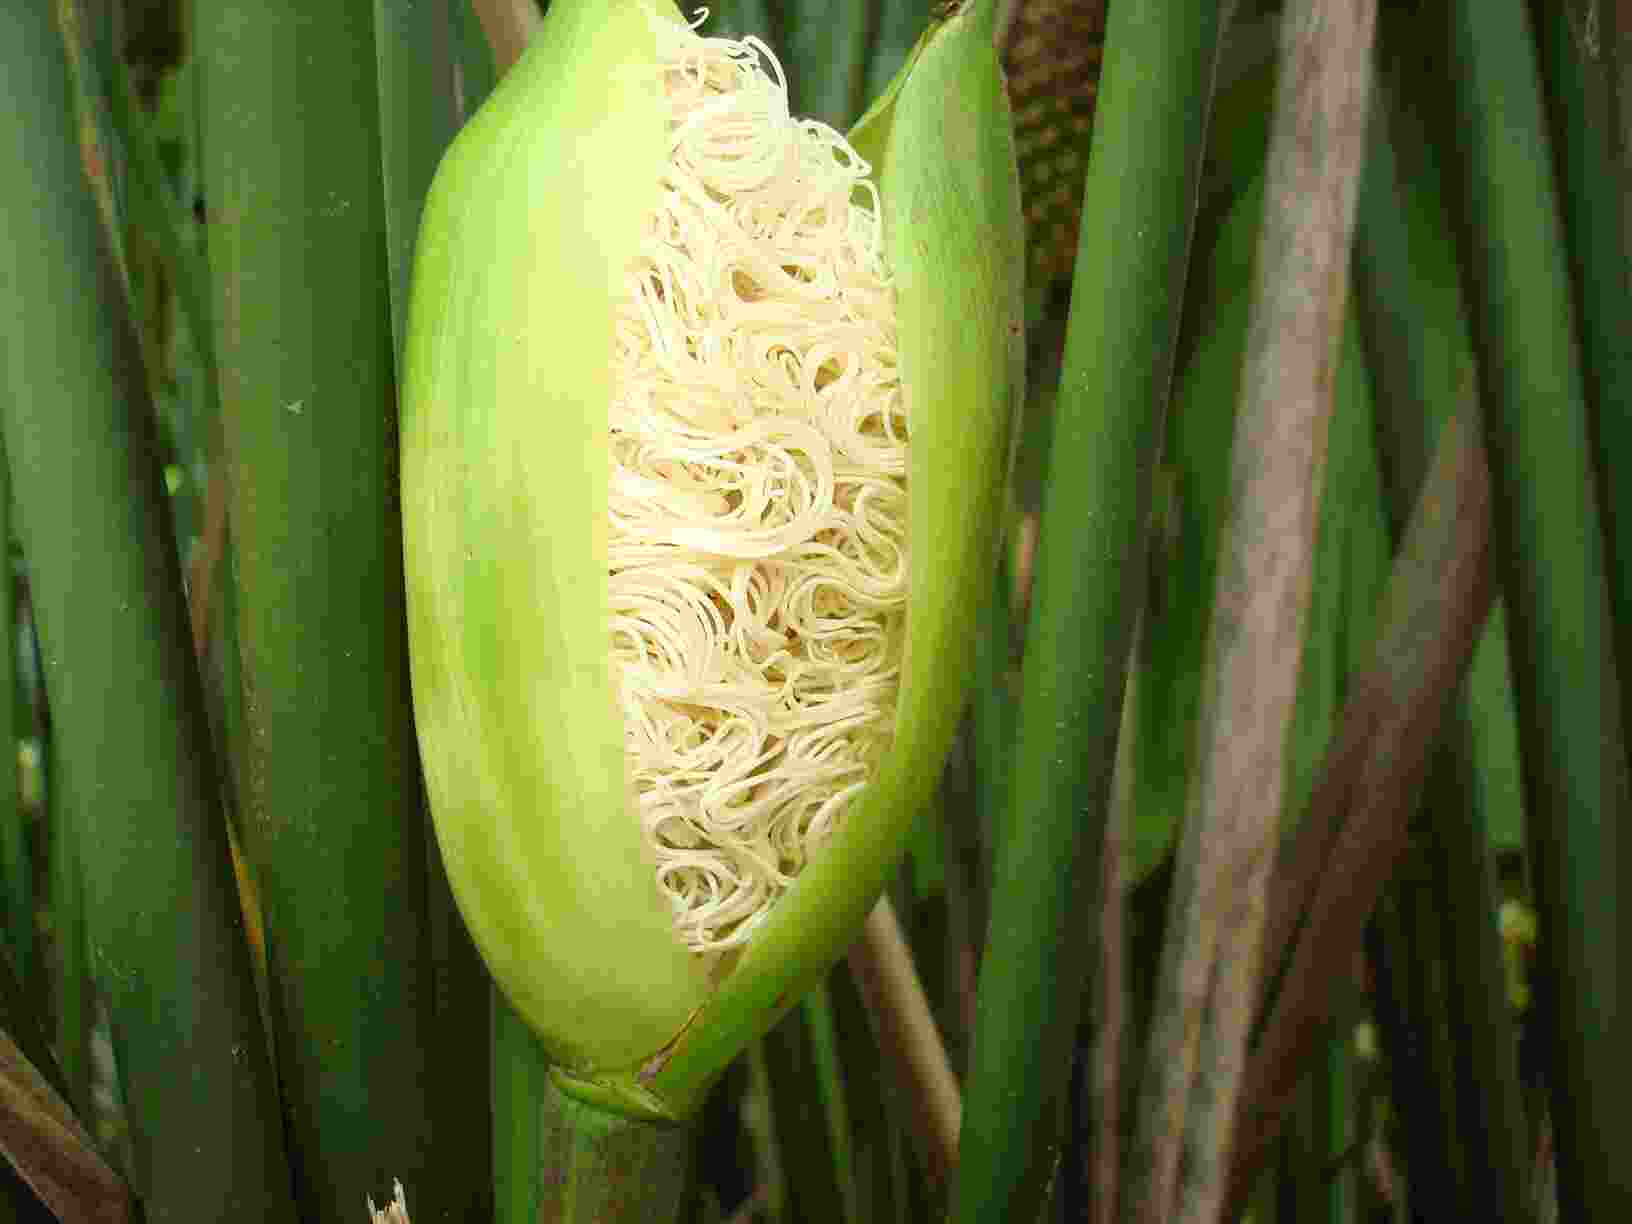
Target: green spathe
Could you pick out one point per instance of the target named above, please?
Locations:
(534, 217)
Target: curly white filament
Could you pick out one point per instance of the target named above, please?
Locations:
(758, 500)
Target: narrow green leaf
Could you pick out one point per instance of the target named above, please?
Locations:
(804, 1140)
(1494, 1131)
(1593, 194)
(1311, 1175)
(899, 22)
(419, 112)
(16, 863)
(876, 1148)
(825, 46)
(826, 49)
(1343, 1155)
(132, 762)
(817, 1009)
(416, 45)
(1138, 211)
(1414, 1022)
(740, 19)
(994, 707)
(477, 72)
(299, 257)
(155, 209)
(1617, 34)
(65, 902)
(521, 1074)
(1551, 545)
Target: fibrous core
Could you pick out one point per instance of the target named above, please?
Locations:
(758, 500)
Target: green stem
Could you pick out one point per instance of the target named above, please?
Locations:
(601, 1167)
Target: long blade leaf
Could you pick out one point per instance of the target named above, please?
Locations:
(298, 248)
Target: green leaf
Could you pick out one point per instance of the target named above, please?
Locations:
(16, 862)
(420, 104)
(1594, 196)
(825, 47)
(520, 1082)
(299, 248)
(801, 1074)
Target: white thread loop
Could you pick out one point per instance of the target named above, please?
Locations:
(758, 502)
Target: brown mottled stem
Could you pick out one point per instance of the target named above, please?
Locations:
(1208, 987)
(45, 1143)
(601, 1167)
(881, 963)
(1356, 827)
